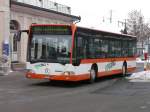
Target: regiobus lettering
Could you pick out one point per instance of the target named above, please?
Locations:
(71, 53)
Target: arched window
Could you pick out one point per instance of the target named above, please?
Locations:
(14, 25)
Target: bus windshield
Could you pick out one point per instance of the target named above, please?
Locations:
(50, 48)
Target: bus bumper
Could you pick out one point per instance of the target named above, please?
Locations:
(58, 77)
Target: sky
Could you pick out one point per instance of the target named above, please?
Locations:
(96, 13)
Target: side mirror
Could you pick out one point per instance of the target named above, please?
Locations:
(17, 35)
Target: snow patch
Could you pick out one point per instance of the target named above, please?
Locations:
(143, 76)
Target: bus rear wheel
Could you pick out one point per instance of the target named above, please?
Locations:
(92, 75)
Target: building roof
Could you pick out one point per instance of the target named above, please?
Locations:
(19, 4)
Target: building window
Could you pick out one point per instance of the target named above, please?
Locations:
(14, 25)
(15, 44)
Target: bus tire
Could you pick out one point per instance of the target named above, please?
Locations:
(92, 75)
(124, 70)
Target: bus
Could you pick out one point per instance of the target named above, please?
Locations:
(71, 53)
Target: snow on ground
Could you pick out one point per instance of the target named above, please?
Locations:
(140, 61)
(143, 76)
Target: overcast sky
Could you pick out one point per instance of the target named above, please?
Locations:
(92, 12)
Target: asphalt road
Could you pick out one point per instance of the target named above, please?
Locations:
(110, 94)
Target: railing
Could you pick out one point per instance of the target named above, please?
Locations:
(47, 4)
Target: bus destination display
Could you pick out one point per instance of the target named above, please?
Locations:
(66, 30)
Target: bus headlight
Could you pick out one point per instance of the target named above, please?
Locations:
(31, 71)
(68, 73)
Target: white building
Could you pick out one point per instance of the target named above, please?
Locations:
(21, 14)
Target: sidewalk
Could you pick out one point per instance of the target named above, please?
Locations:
(18, 66)
(15, 67)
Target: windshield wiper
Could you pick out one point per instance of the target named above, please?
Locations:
(63, 62)
(36, 61)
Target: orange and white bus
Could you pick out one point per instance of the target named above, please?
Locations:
(71, 53)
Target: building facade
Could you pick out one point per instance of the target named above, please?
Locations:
(20, 14)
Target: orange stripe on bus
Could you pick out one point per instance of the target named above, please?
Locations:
(75, 77)
(35, 76)
(58, 77)
(107, 73)
(113, 72)
(106, 60)
(71, 77)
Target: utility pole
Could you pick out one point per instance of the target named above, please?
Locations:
(110, 20)
(110, 16)
(124, 23)
(125, 27)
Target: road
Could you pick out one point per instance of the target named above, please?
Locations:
(110, 94)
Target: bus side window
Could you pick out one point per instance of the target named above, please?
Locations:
(97, 47)
(111, 48)
(125, 47)
(117, 48)
(80, 48)
(104, 49)
(132, 48)
(90, 48)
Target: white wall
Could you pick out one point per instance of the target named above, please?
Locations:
(4, 24)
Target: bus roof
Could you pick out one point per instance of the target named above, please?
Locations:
(108, 32)
(85, 28)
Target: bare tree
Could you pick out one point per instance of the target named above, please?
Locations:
(137, 26)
